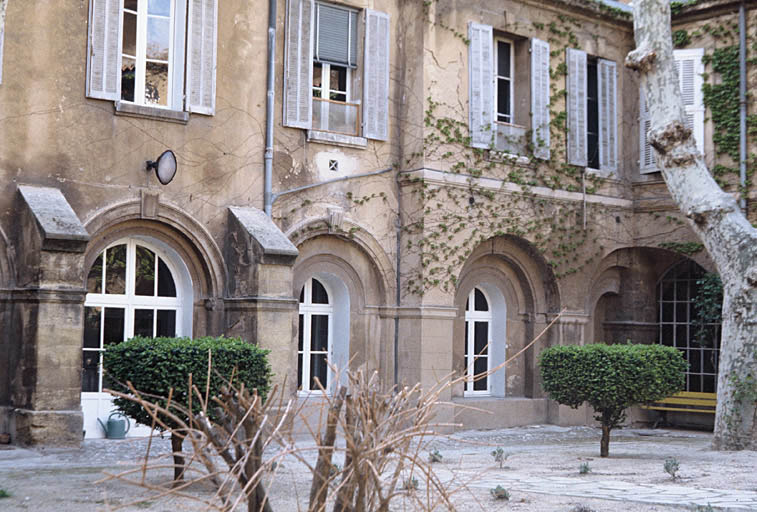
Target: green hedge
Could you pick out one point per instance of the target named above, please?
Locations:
(611, 378)
(155, 365)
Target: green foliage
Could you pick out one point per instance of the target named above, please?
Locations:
(500, 493)
(499, 456)
(584, 468)
(681, 39)
(435, 456)
(157, 365)
(676, 7)
(410, 484)
(685, 248)
(671, 467)
(708, 308)
(4, 494)
(611, 378)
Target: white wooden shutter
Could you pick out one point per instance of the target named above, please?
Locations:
(202, 29)
(481, 84)
(376, 76)
(577, 148)
(104, 49)
(690, 68)
(540, 98)
(298, 64)
(3, 4)
(647, 160)
(608, 120)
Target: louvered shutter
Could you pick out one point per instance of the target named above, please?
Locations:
(647, 160)
(201, 56)
(376, 76)
(689, 69)
(608, 120)
(481, 84)
(104, 49)
(540, 98)
(577, 149)
(3, 4)
(298, 64)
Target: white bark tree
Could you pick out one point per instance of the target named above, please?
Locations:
(713, 215)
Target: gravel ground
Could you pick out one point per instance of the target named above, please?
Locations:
(71, 480)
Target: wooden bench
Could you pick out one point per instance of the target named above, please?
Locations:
(686, 401)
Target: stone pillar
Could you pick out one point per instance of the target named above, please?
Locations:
(47, 320)
(260, 307)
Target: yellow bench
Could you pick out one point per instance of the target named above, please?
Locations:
(687, 401)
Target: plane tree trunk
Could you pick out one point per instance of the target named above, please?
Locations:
(713, 215)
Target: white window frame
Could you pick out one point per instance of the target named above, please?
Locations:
(307, 309)
(131, 302)
(326, 83)
(141, 59)
(498, 77)
(471, 317)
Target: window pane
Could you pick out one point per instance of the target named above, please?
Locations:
(318, 370)
(682, 290)
(159, 7)
(300, 332)
(302, 295)
(131, 4)
(338, 79)
(480, 365)
(128, 74)
(130, 34)
(319, 333)
(115, 270)
(467, 325)
(709, 384)
(481, 338)
(166, 285)
(156, 83)
(667, 312)
(503, 59)
(95, 277)
(480, 301)
(158, 37)
(503, 100)
(299, 371)
(682, 312)
(143, 322)
(319, 295)
(114, 325)
(317, 78)
(666, 335)
(144, 272)
(89, 375)
(92, 327)
(166, 323)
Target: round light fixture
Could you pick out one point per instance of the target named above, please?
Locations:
(165, 167)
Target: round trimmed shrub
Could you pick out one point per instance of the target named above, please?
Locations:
(156, 365)
(611, 378)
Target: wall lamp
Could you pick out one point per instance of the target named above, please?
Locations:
(165, 167)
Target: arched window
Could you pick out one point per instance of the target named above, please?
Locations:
(681, 327)
(131, 291)
(314, 339)
(478, 320)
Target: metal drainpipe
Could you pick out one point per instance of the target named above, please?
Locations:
(742, 105)
(268, 158)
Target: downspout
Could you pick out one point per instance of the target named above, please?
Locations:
(742, 106)
(268, 157)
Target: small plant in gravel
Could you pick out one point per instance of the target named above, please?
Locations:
(500, 493)
(671, 467)
(435, 456)
(584, 468)
(410, 484)
(704, 508)
(500, 456)
(4, 494)
(582, 508)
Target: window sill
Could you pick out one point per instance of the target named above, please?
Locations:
(608, 175)
(158, 114)
(503, 156)
(337, 139)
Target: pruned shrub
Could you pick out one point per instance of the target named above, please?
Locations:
(611, 378)
(155, 366)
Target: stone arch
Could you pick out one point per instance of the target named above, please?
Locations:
(515, 269)
(355, 234)
(621, 295)
(173, 229)
(345, 262)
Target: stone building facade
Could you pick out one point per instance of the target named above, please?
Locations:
(448, 178)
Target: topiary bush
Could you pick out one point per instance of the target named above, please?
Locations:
(611, 378)
(156, 365)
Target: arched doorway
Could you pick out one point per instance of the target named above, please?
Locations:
(137, 286)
